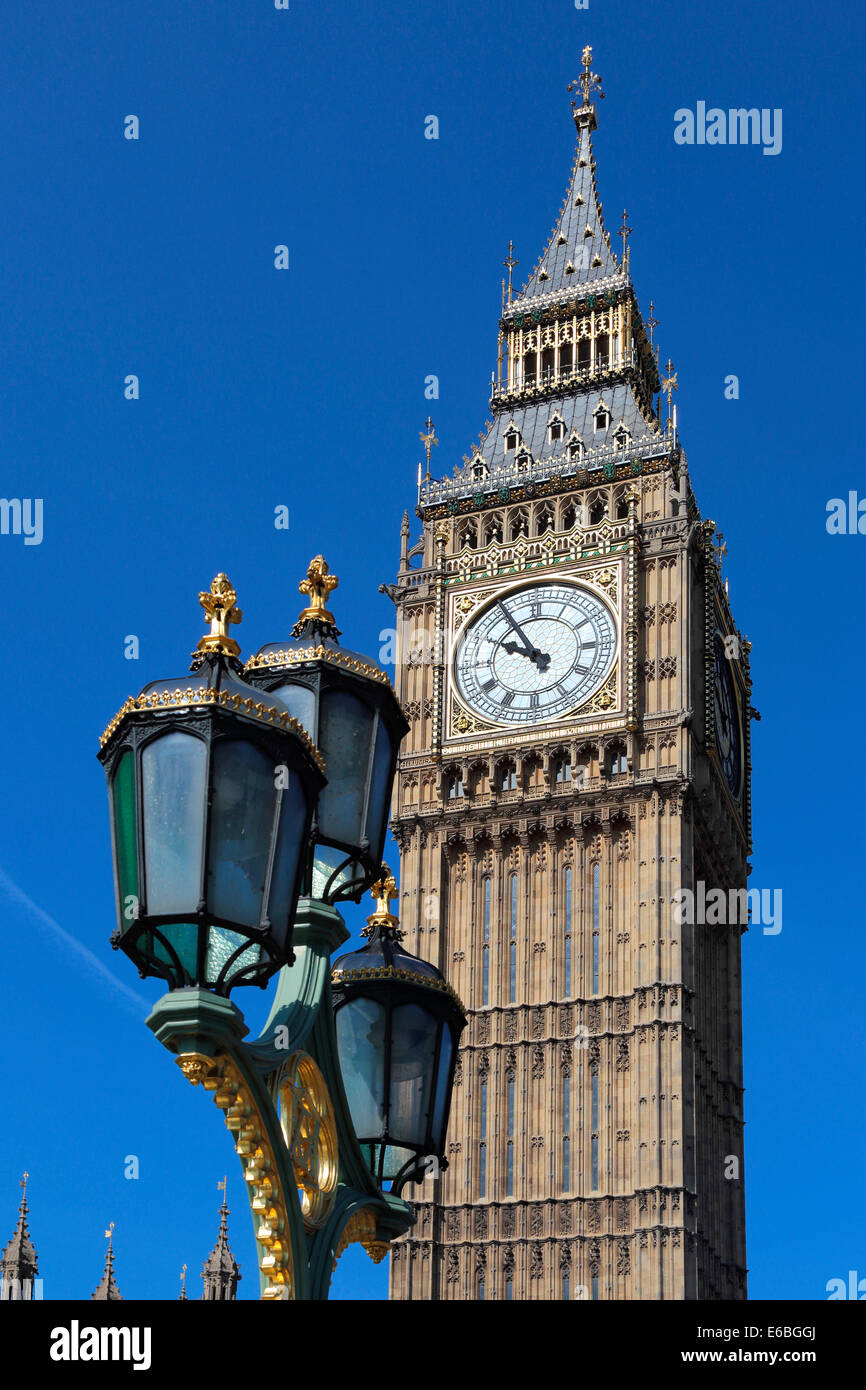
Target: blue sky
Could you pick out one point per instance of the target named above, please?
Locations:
(305, 388)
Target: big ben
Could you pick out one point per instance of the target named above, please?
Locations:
(579, 701)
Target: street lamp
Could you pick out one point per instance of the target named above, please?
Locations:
(348, 707)
(398, 1027)
(212, 794)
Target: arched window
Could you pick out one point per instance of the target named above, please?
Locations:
(510, 441)
(482, 1154)
(568, 912)
(481, 1288)
(485, 947)
(455, 785)
(512, 970)
(509, 1148)
(596, 512)
(595, 927)
(594, 1131)
(563, 770)
(508, 777)
(566, 1142)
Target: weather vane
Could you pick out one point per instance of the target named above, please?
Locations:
(589, 81)
(669, 384)
(625, 232)
(652, 323)
(510, 262)
(428, 440)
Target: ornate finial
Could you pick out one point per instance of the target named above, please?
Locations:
(222, 1187)
(625, 232)
(220, 607)
(23, 1183)
(183, 1285)
(428, 440)
(510, 262)
(720, 548)
(652, 323)
(109, 1234)
(669, 384)
(382, 892)
(589, 81)
(319, 584)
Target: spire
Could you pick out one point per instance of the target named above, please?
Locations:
(18, 1267)
(578, 372)
(220, 1273)
(183, 1297)
(579, 250)
(107, 1291)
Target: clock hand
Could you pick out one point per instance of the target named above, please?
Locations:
(540, 658)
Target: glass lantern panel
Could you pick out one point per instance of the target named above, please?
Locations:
(184, 940)
(413, 1043)
(345, 729)
(443, 1087)
(220, 945)
(395, 1159)
(125, 849)
(380, 792)
(325, 861)
(300, 701)
(174, 771)
(244, 794)
(360, 1028)
(293, 818)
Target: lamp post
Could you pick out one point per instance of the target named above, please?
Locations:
(231, 846)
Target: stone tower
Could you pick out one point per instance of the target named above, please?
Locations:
(220, 1272)
(578, 756)
(18, 1264)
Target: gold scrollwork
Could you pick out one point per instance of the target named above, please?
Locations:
(310, 1132)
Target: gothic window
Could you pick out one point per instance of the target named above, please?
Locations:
(509, 1148)
(508, 777)
(469, 536)
(512, 970)
(556, 430)
(482, 1177)
(621, 436)
(594, 1132)
(563, 769)
(618, 760)
(566, 357)
(524, 458)
(584, 352)
(547, 364)
(455, 785)
(529, 365)
(479, 469)
(481, 1288)
(569, 514)
(566, 1287)
(621, 508)
(508, 1287)
(566, 1140)
(485, 949)
(595, 927)
(519, 526)
(510, 441)
(575, 448)
(568, 918)
(595, 1287)
(545, 522)
(596, 512)
(602, 350)
(493, 531)
(601, 419)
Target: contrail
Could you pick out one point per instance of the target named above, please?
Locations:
(19, 896)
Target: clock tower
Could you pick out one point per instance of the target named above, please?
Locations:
(578, 763)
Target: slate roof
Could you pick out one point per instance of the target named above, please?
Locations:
(579, 237)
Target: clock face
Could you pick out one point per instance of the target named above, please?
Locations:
(535, 654)
(728, 735)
